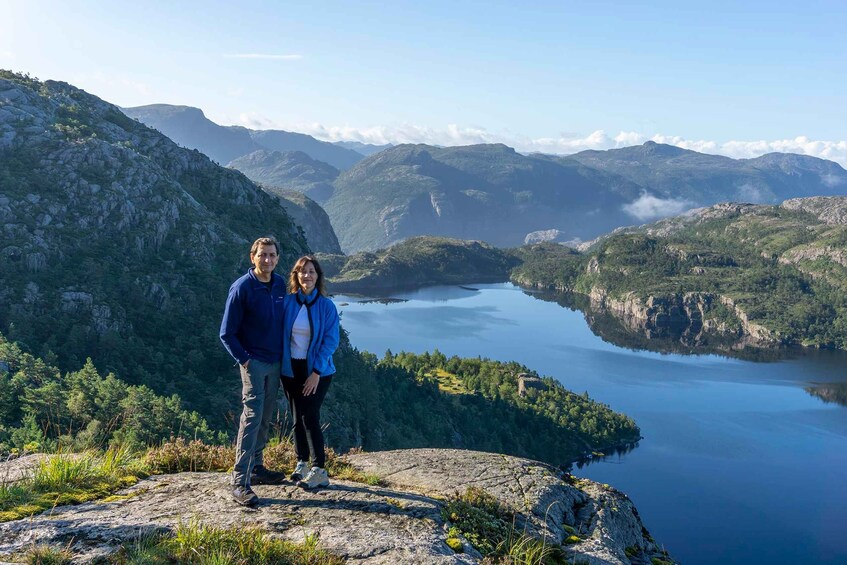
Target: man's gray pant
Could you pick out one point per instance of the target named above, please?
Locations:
(259, 388)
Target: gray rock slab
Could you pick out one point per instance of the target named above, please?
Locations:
(14, 470)
(364, 524)
(398, 523)
(547, 502)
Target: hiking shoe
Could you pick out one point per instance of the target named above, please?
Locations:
(263, 476)
(244, 496)
(300, 471)
(317, 477)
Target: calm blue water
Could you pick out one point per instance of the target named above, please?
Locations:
(739, 464)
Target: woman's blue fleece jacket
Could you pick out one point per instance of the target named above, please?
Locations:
(252, 322)
(323, 320)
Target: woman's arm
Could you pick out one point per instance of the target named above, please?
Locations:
(328, 339)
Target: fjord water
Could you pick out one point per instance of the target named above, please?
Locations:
(738, 462)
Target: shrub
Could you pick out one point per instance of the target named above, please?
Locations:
(489, 526)
(179, 455)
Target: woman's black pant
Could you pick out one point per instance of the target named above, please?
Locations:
(306, 412)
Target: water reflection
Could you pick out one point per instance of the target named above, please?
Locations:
(434, 323)
(635, 335)
(829, 392)
(383, 301)
(607, 456)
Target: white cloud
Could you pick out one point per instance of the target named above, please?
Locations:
(6, 55)
(831, 180)
(253, 120)
(648, 207)
(832, 150)
(564, 144)
(626, 138)
(749, 193)
(263, 56)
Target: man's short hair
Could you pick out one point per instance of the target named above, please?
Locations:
(270, 240)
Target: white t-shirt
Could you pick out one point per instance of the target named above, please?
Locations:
(301, 333)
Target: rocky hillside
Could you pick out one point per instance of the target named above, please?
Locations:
(190, 128)
(742, 273)
(307, 214)
(118, 244)
(492, 193)
(402, 522)
(485, 192)
(292, 170)
(365, 149)
(698, 179)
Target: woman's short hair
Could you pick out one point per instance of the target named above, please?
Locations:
(294, 282)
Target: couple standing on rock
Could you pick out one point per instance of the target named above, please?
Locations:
(287, 335)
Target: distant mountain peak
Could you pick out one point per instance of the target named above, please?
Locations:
(189, 127)
(663, 149)
(166, 110)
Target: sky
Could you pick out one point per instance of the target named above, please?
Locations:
(733, 78)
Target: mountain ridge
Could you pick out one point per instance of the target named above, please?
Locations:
(189, 127)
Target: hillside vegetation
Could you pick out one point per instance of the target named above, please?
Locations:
(418, 261)
(775, 274)
(375, 404)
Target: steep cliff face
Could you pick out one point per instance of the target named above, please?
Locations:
(112, 234)
(307, 214)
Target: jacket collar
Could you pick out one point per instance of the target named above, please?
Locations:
(275, 278)
(307, 299)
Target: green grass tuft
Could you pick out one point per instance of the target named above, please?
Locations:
(47, 555)
(195, 543)
(66, 478)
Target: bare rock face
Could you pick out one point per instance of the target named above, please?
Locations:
(829, 209)
(400, 523)
(549, 503)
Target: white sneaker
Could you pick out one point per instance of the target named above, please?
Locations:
(300, 471)
(317, 477)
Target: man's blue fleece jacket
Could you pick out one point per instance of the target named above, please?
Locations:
(252, 322)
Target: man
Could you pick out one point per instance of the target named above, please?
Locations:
(251, 330)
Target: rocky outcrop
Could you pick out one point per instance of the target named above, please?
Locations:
(397, 523)
(828, 209)
(542, 235)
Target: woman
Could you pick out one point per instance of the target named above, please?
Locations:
(309, 338)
